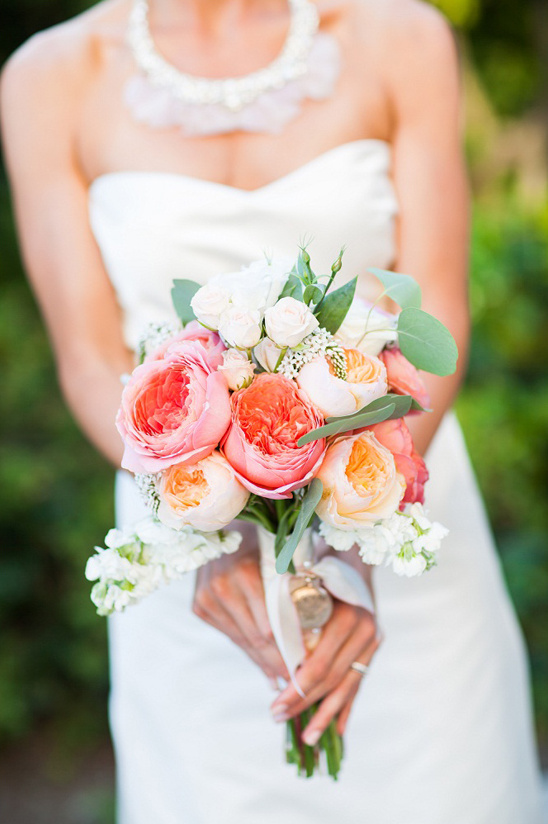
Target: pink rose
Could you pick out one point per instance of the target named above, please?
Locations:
(396, 437)
(173, 410)
(194, 331)
(403, 378)
(268, 418)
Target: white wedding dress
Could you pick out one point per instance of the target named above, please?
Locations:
(441, 731)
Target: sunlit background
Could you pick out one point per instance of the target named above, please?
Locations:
(55, 492)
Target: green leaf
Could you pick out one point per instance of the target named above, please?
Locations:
(312, 294)
(402, 289)
(181, 294)
(426, 342)
(375, 412)
(281, 532)
(293, 288)
(309, 503)
(335, 305)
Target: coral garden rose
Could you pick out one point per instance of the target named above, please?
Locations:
(194, 331)
(268, 418)
(172, 410)
(361, 483)
(333, 396)
(403, 377)
(205, 495)
(396, 437)
(367, 328)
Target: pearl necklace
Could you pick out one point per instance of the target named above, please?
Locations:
(162, 95)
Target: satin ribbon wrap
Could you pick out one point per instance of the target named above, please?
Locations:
(338, 577)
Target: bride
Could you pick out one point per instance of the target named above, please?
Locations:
(129, 170)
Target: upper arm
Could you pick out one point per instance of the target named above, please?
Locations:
(429, 172)
(41, 87)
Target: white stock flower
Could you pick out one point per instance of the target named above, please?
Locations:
(209, 302)
(240, 327)
(407, 541)
(267, 354)
(126, 574)
(237, 369)
(289, 321)
(367, 328)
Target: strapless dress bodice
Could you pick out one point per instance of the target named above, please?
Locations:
(152, 227)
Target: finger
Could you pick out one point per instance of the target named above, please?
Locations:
(346, 642)
(330, 707)
(339, 673)
(342, 720)
(318, 664)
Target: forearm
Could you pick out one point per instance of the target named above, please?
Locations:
(93, 393)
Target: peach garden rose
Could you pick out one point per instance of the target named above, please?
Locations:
(205, 495)
(361, 483)
(173, 410)
(365, 382)
(268, 418)
(395, 435)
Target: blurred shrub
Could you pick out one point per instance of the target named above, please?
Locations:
(55, 495)
(504, 408)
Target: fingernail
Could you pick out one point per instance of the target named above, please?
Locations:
(278, 709)
(311, 738)
(280, 717)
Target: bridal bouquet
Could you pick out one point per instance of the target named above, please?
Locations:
(278, 400)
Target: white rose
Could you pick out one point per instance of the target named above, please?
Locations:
(209, 302)
(237, 369)
(272, 275)
(381, 328)
(267, 354)
(289, 321)
(240, 327)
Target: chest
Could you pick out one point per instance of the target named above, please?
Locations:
(109, 139)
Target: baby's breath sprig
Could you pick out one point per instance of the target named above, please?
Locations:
(319, 342)
(153, 335)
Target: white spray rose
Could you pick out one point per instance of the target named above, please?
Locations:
(237, 369)
(240, 327)
(267, 354)
(289, 321)
(209, 302)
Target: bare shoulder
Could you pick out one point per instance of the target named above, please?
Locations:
(407, 36)
(59, 61)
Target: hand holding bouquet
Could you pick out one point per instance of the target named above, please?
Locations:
(278, 400)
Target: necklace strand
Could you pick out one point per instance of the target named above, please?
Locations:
(233, 93)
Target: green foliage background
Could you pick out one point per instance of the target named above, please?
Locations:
(55, 492)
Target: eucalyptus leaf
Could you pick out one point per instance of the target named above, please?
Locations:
(312, 294)
(309, 503)
(402, 289)
(426, 342)
(383, 408)
(334, 306)
(182, 293)
(293, 288)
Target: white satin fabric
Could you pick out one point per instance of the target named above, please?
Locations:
(441, 731)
